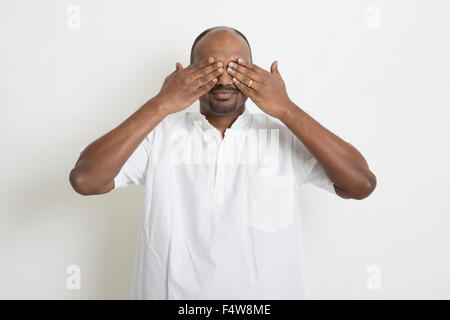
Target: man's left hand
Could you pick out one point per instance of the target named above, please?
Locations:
(267, 89)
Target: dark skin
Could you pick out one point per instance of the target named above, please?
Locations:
(225, 46)
(343, 163)
(218, 58)
(102, 160)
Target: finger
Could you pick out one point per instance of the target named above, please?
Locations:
(177, 67)
(207, 78)
(208, 69)
(200, 64)
(274, 69)
(244, 79)
(245, 71)
(208, 86)
(251, 66)
(243, 88)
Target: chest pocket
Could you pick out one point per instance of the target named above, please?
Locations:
(271, 202)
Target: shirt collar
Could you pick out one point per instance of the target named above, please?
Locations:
(241, 122)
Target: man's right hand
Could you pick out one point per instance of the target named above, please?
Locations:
(184, 86)
(102, 160)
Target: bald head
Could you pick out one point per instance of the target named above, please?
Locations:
(224, 44)
(220, 39)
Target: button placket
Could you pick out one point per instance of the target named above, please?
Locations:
(219, 183)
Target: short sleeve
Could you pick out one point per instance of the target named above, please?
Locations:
(134, 170)
(307, 169)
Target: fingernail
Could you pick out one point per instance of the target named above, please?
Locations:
(219, 64)
(240, 60)
(211, 59)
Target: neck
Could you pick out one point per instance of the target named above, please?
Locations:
(221, 122)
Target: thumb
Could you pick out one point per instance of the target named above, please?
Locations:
(274, 69)
(178, 66)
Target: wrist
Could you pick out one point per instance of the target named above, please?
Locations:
(160, 106)
(287, 111)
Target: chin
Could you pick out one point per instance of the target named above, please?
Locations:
(222, 109)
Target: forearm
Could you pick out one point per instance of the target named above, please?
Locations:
(343, 163)
(102, 160)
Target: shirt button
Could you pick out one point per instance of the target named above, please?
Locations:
(217, 196)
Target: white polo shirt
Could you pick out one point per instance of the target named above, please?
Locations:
(221, 216)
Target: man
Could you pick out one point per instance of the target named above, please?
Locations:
(221, 216)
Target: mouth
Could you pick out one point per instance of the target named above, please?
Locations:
(222, 94)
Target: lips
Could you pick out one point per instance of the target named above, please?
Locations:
(223, 94)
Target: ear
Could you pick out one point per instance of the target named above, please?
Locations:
(274, 69)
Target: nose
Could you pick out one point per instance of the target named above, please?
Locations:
(225, 80)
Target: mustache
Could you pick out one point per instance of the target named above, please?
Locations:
(223, 88)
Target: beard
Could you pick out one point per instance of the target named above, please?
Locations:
(223, 107)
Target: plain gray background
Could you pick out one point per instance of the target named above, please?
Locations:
(376, 73)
